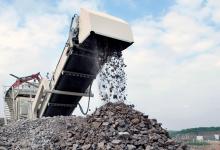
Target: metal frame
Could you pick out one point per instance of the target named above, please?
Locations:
(61, 105)
(69, 93)
(12, 103)
(76, 74)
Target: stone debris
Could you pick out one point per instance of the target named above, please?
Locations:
(1, 122)
(112, 80)
(112, 126)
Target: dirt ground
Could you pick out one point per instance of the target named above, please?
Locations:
(211, 146)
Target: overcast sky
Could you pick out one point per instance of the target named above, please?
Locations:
(173, 67)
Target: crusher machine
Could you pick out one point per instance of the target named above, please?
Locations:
(20, 96)
(93, 37)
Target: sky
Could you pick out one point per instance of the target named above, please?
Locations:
(173, 68)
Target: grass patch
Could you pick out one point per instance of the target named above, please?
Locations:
(196, 143)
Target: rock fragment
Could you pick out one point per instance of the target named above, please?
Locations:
(116, 141)
(112, 80)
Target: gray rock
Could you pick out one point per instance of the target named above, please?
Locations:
(75, 146)
(131, 147)
(116, 141)
(121, 123)
(86, 147)
(144, 132)
(101, 145)
(109, 147)
(123, 134)
(149, 148)
(3, 148)
(105, 123)
(96, 124)
(135, 121)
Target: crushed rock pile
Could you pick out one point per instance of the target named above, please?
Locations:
(112, 126)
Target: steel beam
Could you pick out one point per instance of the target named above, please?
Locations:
(69, 93)
(61, 105)
(76, 74)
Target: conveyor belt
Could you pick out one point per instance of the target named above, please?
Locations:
(78, 73)
(80, 70)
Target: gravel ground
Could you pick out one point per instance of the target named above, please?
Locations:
(112, 126)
